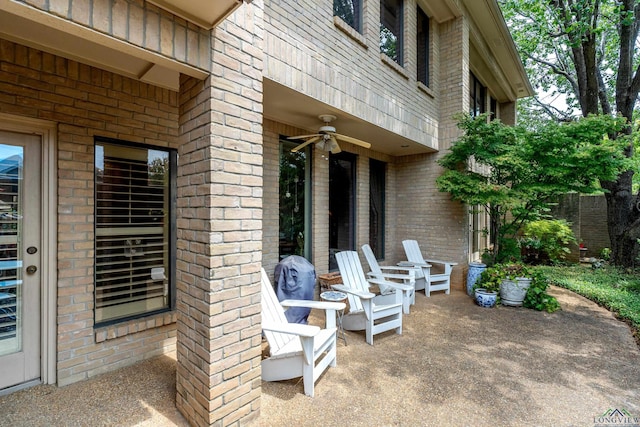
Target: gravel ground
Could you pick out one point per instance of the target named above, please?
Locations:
(455, 364)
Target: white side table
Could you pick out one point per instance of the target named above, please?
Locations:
(336, 296)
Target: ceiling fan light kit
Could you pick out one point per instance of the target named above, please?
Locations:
(327, 139)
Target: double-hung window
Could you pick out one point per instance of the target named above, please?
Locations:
(423, 47)
(134, 230)
(477, 96)
(391, 28)
(350, 11)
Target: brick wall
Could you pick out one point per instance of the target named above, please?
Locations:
(439, 225)
(270, 203)
(320, 56)
(307, 52)
(587, 215)
(85, 102)
(220, 192)
(594, 231)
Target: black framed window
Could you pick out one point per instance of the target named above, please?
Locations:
(391, 28)
(377, 189)
(342, 204)
(294, 200)
(493, 108)
(477, 96)
(350, 11)
(423, 48)
(135, 230)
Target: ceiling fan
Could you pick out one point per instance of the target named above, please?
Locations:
(326, 138)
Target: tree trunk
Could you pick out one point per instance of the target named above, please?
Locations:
(623, 208)
(622, 220)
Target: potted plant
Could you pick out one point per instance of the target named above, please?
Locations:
(493, 287)
(516, 280)
(486, 288)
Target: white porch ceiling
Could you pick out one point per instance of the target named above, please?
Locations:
(287, 106)
(205, 13)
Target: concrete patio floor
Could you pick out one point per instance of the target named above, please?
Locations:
(456, 364)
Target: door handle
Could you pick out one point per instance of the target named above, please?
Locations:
(32, 269)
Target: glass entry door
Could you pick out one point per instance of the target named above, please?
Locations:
(20, 254)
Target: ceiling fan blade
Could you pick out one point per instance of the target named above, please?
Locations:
(334, 147)
(354, 141)
(303, 136)
(304, 144)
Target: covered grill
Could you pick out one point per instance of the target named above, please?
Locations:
(295, 278)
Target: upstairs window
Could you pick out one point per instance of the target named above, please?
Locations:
(493, 108)
(391, 27)
(477, 96)
(423, 47)
(350, 11)
(135, 235)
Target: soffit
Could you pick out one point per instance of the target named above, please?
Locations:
(205, 13)
(441, 10)
(493, 51)
(287, 106)
(49, 33)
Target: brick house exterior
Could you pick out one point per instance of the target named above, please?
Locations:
(222, 83)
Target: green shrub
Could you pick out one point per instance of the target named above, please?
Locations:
(546, 241)
(491, 278)
(611, 287)
(537, 297)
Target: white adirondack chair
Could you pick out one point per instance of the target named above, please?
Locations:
(433, 282)
(296, 350)
(392, 273)
(369, 312)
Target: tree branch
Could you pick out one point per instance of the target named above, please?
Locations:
(557, 114)
(554, 68)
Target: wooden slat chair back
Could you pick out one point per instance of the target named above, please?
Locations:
(296, 350)
(434, 282)
(406, 275)
(368, 312)
(272, 312)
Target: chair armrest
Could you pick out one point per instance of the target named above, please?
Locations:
(435, 261)
(385, 276)
(321, 305)
(397, 268)
(395, 285)
(413, 264)
(348, 290)
(292, 328)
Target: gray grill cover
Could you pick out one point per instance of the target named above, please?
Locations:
(295, 278)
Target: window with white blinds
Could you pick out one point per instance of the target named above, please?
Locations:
(134, 230)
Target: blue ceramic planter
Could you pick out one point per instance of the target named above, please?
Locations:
(475, 270)
(485, 298)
